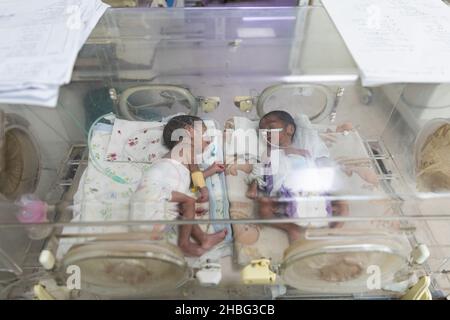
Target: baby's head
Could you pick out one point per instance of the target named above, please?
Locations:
(184, 127)
(280, 122)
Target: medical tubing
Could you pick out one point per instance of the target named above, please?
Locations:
(94, 160)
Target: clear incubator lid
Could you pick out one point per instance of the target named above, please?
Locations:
(341, 263)
(232, 66)
(123, 269)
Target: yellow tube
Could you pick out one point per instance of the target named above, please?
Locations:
(198, 179)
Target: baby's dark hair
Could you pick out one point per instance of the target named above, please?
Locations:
(283, 116)
(177, 122)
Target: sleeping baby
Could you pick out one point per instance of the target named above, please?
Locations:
(163, 193)
(289, 180)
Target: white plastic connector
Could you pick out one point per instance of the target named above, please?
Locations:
(210, 274)
(420, 254)
(47, 259)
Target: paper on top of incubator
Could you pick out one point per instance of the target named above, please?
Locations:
(39, 41)
(395, 41)
(46, 96)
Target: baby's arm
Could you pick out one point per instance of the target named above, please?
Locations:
(187, 203)
(203, 190)
(213, 169)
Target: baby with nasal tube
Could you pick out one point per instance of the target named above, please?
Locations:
(278, 181)
(164, 190)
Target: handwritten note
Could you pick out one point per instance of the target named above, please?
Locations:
(395, 41)
(39, 43)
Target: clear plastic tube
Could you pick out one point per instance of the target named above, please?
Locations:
(92, 157)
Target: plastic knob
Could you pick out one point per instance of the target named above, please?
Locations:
(47, 259)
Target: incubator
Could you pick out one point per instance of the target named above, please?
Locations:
(67, 174)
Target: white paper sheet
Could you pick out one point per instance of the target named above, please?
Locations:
(395, 41)
(39, 43)
(45, 96)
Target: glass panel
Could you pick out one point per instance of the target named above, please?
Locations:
(345, 170)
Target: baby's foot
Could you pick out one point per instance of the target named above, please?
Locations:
(192, 250)
(210, 240)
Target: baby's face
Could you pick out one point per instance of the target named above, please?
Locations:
(206, 140)
(199, 135)
(274, 126)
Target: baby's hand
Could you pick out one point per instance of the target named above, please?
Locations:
(301, 152)
(204, 195)
(216, 168)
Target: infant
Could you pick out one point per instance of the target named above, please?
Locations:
(164, 191)
(284, 175)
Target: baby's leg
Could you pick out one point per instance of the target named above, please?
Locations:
(340, 208)
(252, 191)
(207, 240)
(267, 209)
(187, 205)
